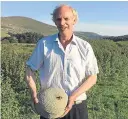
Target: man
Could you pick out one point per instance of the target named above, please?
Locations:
(64, 61)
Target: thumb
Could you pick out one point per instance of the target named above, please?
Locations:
(35, 100)
(70, 105)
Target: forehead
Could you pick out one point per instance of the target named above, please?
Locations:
(64, 12)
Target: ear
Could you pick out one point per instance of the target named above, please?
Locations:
(74, 21)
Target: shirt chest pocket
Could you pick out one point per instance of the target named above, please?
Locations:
(52, 60)
(76, 68)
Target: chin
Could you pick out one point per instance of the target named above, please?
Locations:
(64, 31)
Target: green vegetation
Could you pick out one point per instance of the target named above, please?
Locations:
(108, 99)
(15, 94)
(4, 34)
(28, 37)
(117, 38)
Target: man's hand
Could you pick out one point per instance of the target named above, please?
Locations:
(35, 99)
(69, 106)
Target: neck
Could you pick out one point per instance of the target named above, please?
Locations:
(65, 37)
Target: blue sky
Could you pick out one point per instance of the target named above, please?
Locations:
(104, 18)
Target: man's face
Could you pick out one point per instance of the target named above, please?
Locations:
(65, 20)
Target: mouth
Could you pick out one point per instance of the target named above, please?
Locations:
(62, 28)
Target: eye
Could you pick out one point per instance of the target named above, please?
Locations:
(66, 19)
(58, 19)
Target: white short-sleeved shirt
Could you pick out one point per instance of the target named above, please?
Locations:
(66, 69)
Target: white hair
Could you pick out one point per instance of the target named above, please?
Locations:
(58, 7)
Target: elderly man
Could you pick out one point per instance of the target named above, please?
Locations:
(64, 61)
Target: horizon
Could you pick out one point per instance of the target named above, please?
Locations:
(96, 20)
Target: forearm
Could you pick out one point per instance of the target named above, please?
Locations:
(91, 80)
(30, 79)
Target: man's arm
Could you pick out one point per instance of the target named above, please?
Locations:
(31, 79)
(91, 80)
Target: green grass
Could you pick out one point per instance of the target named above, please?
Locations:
(4, 34)
(108, 99)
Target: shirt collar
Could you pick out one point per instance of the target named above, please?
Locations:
(73, 39)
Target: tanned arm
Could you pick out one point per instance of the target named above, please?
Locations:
(31, 82)
(91, 80)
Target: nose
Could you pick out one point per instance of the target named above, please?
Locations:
(62, 22)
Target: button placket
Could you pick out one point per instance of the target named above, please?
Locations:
(65, 69)
(64, 73)
(65, 62)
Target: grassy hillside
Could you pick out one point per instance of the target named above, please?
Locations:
(4, 34)
(88, 35)
(24, 24)
(108, 99)
(17, 24)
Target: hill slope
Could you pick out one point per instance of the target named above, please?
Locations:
(88, 35)
(16, 24)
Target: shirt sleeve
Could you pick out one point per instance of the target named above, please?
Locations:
(36, 59)
(91, 67)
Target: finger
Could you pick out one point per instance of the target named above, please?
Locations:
(36, 100)
(64, 113)
(67, 110)
(69, 107)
